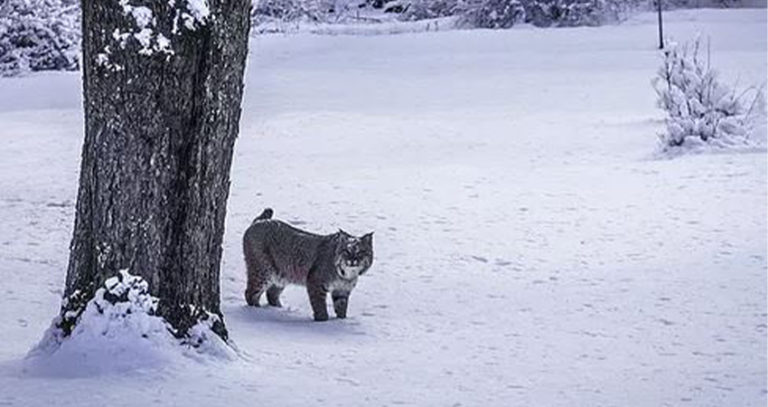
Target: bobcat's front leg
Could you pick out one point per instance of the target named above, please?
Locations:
(340, 301)
(273, 295)
(317, 293)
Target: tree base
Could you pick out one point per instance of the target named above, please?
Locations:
(120, 328)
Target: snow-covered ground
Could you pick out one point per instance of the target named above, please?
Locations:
(530, 249)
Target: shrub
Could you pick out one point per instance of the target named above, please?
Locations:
(287, 10)
(543, 13)
(37, 35)
(492, 14)
(698, 106)
(564, 12)
(271, 15)
(427, 9)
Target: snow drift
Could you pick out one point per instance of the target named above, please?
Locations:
(119, 330)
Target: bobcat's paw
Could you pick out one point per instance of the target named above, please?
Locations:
(252, 300)
(321, 317)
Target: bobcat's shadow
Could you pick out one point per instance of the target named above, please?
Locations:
(292, 320)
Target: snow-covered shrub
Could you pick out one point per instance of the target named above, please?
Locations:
(468, 13)
(287, 10)
(427, 9)
(37, 35)
(561, 12)
(699, 107)
(543, 13)
(492, 14)
(280, 15)
(571, 13)
(700, 3)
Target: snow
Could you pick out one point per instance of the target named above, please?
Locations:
(145, 32)
(530, 249)
(199, 9)
(142, 15)
(120, 333)
(109, 337)
(198, 13)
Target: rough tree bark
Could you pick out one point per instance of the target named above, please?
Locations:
(163, 84)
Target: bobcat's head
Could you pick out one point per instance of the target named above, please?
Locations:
(354, 255)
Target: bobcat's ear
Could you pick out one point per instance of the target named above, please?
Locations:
(343, 233)
(367, 239)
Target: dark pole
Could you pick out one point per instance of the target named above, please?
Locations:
(661, 31)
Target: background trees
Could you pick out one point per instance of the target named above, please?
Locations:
(37, 35)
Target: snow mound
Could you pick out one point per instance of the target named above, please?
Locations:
(119, 331)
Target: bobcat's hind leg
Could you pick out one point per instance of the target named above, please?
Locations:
(253, 293)
(273, 295)
(257, 284)
(258, 272)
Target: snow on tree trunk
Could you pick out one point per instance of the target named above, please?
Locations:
(163, 84)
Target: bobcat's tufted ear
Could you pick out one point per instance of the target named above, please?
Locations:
(343, 233)
(367, 239)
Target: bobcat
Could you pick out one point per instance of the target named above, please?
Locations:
(278, 254)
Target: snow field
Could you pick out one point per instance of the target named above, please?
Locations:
(530, 248)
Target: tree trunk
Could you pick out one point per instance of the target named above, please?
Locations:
(162, 94)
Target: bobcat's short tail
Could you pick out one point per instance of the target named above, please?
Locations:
(265, 215)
